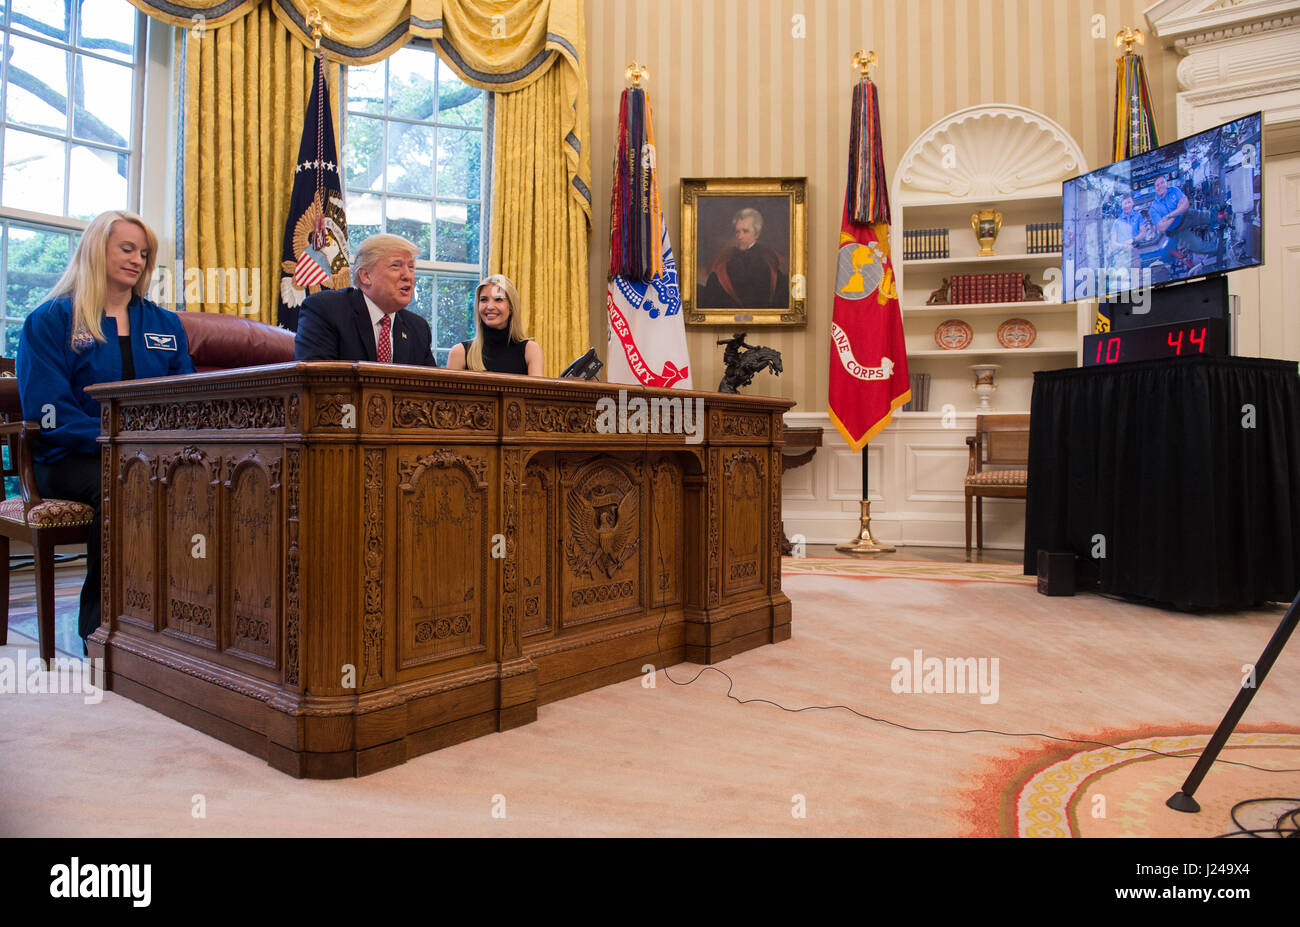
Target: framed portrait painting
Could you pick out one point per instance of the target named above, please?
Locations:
(744, 250)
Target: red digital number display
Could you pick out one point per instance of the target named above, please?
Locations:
(1154, 342)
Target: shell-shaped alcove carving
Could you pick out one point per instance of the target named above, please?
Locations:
(985, 152)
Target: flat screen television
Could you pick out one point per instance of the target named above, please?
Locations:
(1188, 209)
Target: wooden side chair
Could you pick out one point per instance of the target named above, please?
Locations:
(42, 523)
(999, 465)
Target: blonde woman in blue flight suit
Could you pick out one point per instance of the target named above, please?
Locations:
(95, 326)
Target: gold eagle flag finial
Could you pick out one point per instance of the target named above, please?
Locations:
(864, 61)
(316, 23)
(1128, 37)
(635, 73)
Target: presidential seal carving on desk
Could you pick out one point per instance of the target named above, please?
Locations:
(603, 524)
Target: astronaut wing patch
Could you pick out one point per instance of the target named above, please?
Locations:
(159, 342)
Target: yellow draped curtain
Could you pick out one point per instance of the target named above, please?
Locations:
(244, 89)
(245, 76)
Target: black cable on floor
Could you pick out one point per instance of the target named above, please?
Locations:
(1291, 829)
(27, 561)
(731, 684)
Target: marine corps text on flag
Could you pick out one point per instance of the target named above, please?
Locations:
(868, 359)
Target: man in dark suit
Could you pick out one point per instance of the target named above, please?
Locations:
(368, 321)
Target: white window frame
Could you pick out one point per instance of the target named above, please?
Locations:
(151, 77)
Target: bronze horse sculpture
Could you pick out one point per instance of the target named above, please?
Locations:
(743, 361)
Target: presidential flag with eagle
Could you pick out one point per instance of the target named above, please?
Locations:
(315, 255)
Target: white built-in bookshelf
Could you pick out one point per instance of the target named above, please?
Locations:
(1000, 157)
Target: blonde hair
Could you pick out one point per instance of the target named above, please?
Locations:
(375, 247)
(86, 279)
(474, 356)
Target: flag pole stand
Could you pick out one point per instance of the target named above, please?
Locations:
(864, 544)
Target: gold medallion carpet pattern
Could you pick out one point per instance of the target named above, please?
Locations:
(1120, 790)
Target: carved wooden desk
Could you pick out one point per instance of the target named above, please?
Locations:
(339, 566)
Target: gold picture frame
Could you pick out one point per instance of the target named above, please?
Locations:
(714, 233)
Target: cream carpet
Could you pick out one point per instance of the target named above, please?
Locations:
(687, 760)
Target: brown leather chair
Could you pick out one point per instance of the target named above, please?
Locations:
(999, 465)
(42, 523)
(226, 342)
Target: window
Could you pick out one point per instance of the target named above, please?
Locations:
(413, 166)
(68, 95)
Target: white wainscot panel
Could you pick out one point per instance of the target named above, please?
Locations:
(846, 470)
(918, 468)
(935, 472)
(800, 485)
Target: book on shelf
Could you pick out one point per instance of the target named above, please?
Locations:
(920, 401)
(986, 288)
(925, 244)
(1043, 238)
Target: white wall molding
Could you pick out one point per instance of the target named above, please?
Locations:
(1237, 58)
(991, 150)
(1192, 22)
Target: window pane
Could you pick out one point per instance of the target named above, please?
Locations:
(455, 310)
(44, 17)
(410, 158)
(410, 178)
(458, 233)
(458, 102)
(364, 153)
(460, 154)
(12, 332)
(410, 84)
(365, 218)
(37, 91)
(36, 260)
(366, 90)
(422, 301)
(97, 182)
(102, 102)
(108, 27)
(33, 177)
(410, 219)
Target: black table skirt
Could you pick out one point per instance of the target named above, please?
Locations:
(1153, 461)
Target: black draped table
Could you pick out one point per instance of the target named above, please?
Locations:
(1176, 480)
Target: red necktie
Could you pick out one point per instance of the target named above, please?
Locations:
(385, 342)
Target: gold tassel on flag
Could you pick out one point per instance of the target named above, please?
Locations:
(1135, 125)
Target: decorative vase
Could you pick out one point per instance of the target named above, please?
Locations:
(984, 385)
(986, 224)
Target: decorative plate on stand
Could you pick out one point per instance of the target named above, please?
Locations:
(954, 335)
(1016, 333)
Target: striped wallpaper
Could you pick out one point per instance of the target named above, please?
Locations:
(736, 93)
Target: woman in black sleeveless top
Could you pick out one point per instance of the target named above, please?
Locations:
(500, 344)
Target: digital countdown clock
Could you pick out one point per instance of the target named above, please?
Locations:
(1202, 336)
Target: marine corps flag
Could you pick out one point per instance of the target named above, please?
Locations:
(315, 254)
(868, 367)
(647, 335)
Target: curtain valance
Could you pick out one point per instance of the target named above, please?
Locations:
(504, 44)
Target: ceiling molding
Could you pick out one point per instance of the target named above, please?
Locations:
(1185, 23)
